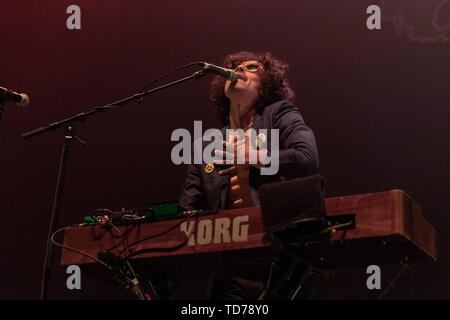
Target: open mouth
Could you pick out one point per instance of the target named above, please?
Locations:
(241, 76)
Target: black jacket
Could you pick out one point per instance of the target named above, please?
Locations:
(298, 157)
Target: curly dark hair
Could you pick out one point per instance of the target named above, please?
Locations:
(274, 83)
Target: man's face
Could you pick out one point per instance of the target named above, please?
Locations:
(248, 81)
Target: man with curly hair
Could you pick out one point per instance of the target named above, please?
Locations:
(261, 98)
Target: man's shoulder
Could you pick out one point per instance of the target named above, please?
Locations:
(280, 106)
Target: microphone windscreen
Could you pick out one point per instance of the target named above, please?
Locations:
(25, 100)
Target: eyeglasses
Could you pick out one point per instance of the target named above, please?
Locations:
(251, 67)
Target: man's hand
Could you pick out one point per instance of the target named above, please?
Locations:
(239, 152)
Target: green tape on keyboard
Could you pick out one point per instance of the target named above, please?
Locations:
(162, 210)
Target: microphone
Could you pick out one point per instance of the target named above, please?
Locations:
(226, 73)
(21, 99)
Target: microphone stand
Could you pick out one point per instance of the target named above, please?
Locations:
(2, 107)
(3, 101)
(69, 134)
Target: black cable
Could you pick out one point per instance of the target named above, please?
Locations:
(124, 239)
(136, 290)
(198, 63)
(52, 238)
(125, 245)
(335, 227)
(194, 213)
(134, 286)
(99, 220)
(391, 284)
(158, 249)
(107, 224)
(263, 295)
(124, 234)
(98, 236)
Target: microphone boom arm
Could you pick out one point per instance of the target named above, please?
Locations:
(85, 114)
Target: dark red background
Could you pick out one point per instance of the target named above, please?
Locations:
(378, 102)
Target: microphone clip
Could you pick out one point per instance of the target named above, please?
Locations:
(199, 74)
